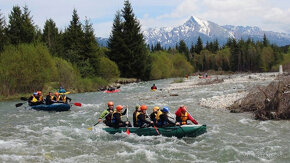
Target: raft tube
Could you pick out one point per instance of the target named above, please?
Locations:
(114, 91)
(53, 107)
(176, 131)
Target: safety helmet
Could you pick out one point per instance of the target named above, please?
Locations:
(156, 108)
(35, 93)
(39, 92)
(183, 109)
(56, 93)
(119, 107)
(143, 107)
(110, 103)
(165, 109)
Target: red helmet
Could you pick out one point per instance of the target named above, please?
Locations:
(143, 107)
(119, 107)
(110, 103)
(183, 109)
(39, 92)
(56, 93)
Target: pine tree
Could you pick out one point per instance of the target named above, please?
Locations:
(89, 56)
(2, 32)
(183, 49)
(265, 41)
(51, 37)
(73, 40)
(15, 28)
(127, 45)
(192, 49)
(158, 47)
(198, 47)
(215, 46)
(116, 42)
(29, 30)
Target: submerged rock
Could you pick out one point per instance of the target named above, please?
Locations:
(271, 102)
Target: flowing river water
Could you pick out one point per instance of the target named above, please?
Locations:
(36, 136)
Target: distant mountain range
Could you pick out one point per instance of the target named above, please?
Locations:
(208, 31)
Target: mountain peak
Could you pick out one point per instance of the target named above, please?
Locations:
(194, 21)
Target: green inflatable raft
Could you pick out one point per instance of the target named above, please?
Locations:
(177, 131)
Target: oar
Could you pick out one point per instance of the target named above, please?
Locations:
(128, 132)
(20, 104)
(90, 128)
(153, 125)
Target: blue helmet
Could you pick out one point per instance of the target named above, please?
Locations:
(35, 93)
(165, 109)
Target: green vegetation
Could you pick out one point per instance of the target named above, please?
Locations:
(32, 59)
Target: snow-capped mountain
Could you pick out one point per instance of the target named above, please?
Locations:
(209, 31)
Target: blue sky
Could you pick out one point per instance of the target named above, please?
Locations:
(267, 14)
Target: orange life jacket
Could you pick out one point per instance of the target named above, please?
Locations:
(183, 117)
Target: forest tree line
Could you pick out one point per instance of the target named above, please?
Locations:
(35, 59)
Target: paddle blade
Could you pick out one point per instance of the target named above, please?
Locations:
(77, 104)
(128, 132)
(19, 104)
(90, 128)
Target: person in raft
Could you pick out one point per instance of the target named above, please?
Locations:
(61, 90)
(33, 100)
(141, 118)
(153, 87)
(163, 119)
(107, 114)
(56, 98)
(49, 99)
(117, 118)
(137, 109)
(40, 97)
(155, 115)
(182, 116)
(65, 99)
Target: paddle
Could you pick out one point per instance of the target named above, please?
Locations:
(20, 104)
(90, 128)
(128, 132)
(78, 104)
(153, 125)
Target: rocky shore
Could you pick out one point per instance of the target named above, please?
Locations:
(270, 102)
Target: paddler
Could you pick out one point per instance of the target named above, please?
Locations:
(56, 97)
(155, 115)
(117, 118)
(65, 99)
(49, 99)
(137, 109)
(40, 97)
(154, 87)
(141, 118)
(107, 114)
(182, 116)
(164, 121)
(33, 100)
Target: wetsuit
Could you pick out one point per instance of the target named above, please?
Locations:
(116, 120)
(164, 121)
(108, 117)
(48, 100)
(153, 87)
(142, 122)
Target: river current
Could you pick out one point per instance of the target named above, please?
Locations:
(36, 136)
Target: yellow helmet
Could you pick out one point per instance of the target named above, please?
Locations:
(156, 108)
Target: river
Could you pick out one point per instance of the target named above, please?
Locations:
(36, 136)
